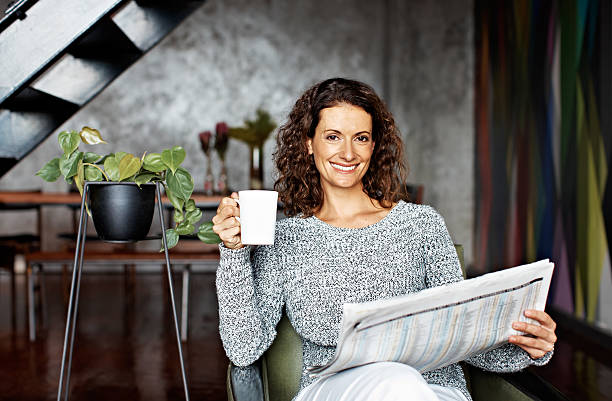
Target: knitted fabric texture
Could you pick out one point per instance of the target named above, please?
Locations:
(313, 268)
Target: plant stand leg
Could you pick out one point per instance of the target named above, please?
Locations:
(73, 303)
(171, 288)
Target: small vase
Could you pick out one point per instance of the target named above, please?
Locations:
(208, 178)
(256, 172)
(221, 188)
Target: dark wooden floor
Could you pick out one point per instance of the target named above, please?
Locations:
(125, 344)
(126, 349)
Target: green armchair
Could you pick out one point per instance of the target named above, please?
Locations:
(276, 375)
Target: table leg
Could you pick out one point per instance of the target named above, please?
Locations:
(185, 303)
(31, 312)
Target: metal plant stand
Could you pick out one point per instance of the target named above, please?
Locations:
(73, 304)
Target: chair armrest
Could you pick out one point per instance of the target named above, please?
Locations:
(485, 385)
(245, 383)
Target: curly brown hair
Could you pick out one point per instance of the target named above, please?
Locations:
(298, 182)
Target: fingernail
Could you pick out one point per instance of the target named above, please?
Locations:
(528, 313)
(516, 325)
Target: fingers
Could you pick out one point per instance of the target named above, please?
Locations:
(537, 331)
(227, 208)
(531, 342)
(542, 317)
(540, 338)
(227, 201)
(225, 223)
(231, 237)
(225, 212)
(533, 352)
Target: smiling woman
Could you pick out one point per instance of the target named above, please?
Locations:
(342, 146)
(339, 112)
(349, 238)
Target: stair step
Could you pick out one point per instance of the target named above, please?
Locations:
(77, 80)
(31, 45)
(65, 52)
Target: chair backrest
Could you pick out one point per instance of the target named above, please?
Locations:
(282, 362)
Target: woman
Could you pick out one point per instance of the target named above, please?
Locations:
(348, 238)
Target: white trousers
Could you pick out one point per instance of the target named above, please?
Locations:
(382, 381)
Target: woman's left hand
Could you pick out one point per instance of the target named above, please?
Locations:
(542, 336)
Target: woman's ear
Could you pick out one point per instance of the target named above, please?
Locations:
(309, 146)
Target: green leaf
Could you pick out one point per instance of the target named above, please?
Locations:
(172, 238)
(69, 164)
(178, 216)
(79, 179)
(90, 157)
(180, 183)
(91, 136)
(69, 141)
(153, 162)
(193, 216)
(173, 157)
(128, 166)
(143, 178)
(50, 172)
(111, 167)
(207, 235)
(185, 228)
(190, 205)
(119, 155)
(176, 202)
(93, 174)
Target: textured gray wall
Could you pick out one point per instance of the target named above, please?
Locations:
(233, 56)
(432, 100)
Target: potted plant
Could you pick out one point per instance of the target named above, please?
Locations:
(122, 208)
(255, 133)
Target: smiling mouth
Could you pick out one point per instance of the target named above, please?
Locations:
(343, 168)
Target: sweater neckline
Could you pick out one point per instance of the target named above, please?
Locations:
(375, 225)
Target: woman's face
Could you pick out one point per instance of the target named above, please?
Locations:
(342, 145)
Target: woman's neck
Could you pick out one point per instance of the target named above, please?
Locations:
(350, 208)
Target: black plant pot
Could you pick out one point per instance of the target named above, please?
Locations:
(122, 212)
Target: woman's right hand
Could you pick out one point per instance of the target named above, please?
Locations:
(225, 223)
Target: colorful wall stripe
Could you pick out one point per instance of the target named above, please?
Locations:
(543, 145)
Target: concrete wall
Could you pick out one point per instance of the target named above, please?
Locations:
(432, 63)
(233, 56)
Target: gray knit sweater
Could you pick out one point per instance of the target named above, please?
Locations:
(313, 268)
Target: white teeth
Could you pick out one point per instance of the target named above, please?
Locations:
(343, 168)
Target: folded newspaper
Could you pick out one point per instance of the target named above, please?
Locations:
(441, 325)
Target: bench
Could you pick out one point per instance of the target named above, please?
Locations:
(35, 261)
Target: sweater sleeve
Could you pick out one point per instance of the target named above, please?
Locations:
(439, 255)
(442, 267)
(249, 292)
(507, 358)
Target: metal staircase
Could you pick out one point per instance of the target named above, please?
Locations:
(57, 55)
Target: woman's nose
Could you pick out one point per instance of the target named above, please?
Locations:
(348, 153)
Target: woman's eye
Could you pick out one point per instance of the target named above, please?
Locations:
(331, 137)
(363, 138)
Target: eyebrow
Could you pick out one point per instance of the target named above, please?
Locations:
(340, 132)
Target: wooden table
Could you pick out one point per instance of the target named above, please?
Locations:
(19, 200)
(34, 200)
(22, 200)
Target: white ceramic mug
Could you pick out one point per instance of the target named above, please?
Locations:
(257, 216)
